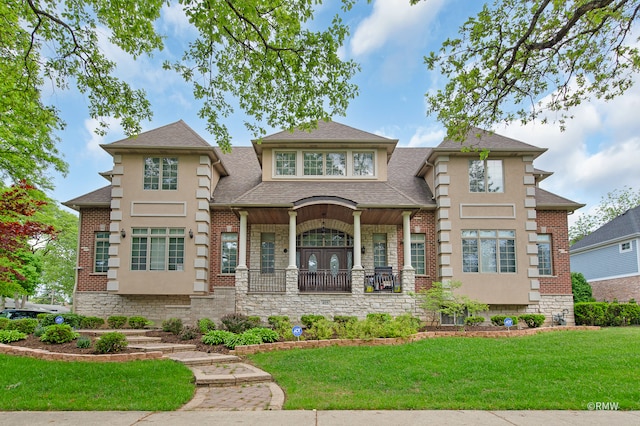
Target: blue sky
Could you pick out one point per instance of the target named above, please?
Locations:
(598, 152)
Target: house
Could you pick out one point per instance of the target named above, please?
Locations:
(336, 221)
(608, 258)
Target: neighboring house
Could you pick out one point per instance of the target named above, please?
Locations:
(336, 221)
(609, 258)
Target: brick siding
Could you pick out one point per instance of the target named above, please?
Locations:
(93, 220)
(621, 289)
(554, 222)
(221, 221)
(423, 222)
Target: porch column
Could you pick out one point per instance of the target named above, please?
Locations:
(406, 238)
(292, 239)
(357, 241)
(242, 250)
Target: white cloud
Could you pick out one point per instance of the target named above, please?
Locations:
(427, 136)
(393, 21)
(174, 20)
(92, 144)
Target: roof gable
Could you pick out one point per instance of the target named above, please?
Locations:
(326, 131)
(178, 135)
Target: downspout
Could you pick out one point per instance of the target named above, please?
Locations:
(77, 268)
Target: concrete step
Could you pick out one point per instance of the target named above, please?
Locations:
(235, 374)
(198, 358)
(165, 348)
(142, 339)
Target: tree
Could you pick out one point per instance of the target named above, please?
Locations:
(257, 53)
(516, 52)
(581, 288)
(611, 206)
(18, 268)
(441, 298)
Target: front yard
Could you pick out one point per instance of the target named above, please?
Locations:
(561, 370)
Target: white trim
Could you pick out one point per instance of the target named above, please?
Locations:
(348, 164)
(627, 250)
(614, 277)
(166, 203)
(463, 205)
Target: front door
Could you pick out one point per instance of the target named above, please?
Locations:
(325, 269)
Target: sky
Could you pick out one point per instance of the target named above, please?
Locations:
(598, 152)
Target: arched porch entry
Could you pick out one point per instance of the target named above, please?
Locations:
(324, 258)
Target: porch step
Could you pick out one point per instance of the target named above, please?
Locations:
(197, 358)
(235, 374)
(142, 339)
(162, 347)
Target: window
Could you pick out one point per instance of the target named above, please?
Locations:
(379, 250)
(267, 252)
(625, 247)
(156, 168)
(488, 251)
(324, 164)
(544, 254)
(101, 252)
(418, 253)
(157, 249)
(486, 176)
(363, 164)
(229, 252)
(285, 163)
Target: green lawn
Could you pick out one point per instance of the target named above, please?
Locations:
(562, 370)
(37, 385)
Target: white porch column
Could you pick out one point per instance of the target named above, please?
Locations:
(242, 250)
(292, 239)
(406, 238)
(357, 241)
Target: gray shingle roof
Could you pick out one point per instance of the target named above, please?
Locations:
(546, 200)
(327, 130)
(625, 225)
(98, 198)
(177, 134)
(482, 139)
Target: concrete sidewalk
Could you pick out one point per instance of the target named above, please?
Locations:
(322, 418)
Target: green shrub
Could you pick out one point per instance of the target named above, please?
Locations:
(39, 331)
(342, 319)
(239, 323)
(580, 288)
(116, 321)
(172, 325)
(91, 323)
(72, 320)
(4, 322)
(139, 322)
(8, 336)
(83, 342)
(321, 329)
(189, 332)
(278, 321)
(379, 317)
(590, 313)
(267, 335)
(473, 321)
(310, 319)
(247, 338)
(24, 325)
(499, 319)
(532, 320)
(58, 333)
(111, 342)
(206, 325)
(215, 337)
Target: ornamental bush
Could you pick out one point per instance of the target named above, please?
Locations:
(3, 323)
(83, 342)
(117, 321)
(215, 337)
(172, 325)
(58, 333)
(8, 336)
(111, 342)
(498, 320)
(239, 323)
(91, 323)
(532, 320)
(206, 325)
(590, 313)
(72, 320)
(309, 319)
(24, 325)
(188, 332)
(473, 321)
(139, 322)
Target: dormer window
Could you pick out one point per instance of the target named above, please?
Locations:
(160, 173)
(328, 164)
(325, 164)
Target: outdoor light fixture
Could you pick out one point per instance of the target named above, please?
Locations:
(123, 233)
(362, 250)
(190, 233)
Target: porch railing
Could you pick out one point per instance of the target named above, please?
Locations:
(325, 281)
(267, 282)
(383, 279)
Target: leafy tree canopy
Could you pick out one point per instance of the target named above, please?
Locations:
(611, 206)
(517, 59)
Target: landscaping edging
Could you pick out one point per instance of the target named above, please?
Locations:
(56, 356)
(309, 344)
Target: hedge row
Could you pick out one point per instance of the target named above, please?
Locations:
(607, 314)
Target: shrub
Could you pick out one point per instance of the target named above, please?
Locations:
(39, 331)
(24, 325)
(58, 333)
(189, 332)
(310, 319)
(321, 329)
(343, 319)
(379, 317)
(172, 325)
(580, 288)
(117, 321)
(111, 343)
(8, 336)
(91, 323)
(266, 334)
(239, 323)
(249, 337)
(473, 321)
(532, 320)
(139, 322)
(72, 320)
(206, 325)
(4, 322)
(83, 342)
(215, 337)
(499, 319)
(590, 313)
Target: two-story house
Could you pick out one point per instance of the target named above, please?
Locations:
(336, 221)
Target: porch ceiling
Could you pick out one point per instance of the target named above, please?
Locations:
(385, 216)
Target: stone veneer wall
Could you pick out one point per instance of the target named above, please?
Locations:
(548, 305)
(621, 289)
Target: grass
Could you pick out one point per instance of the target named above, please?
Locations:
(37, 385)
(563, 370)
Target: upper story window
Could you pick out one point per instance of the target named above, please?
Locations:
(333, 164)
(486, 176)
(160, 173)
(625, 247)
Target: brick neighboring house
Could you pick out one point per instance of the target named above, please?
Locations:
(609, 258)
(336, 221)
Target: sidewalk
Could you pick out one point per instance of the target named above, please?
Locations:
(323, 418)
